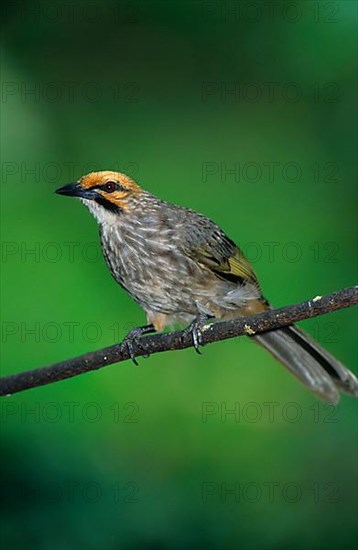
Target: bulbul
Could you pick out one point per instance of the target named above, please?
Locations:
(182, 268)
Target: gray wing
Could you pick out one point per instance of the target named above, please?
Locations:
(211, 248)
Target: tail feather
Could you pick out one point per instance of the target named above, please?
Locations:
(309, 362)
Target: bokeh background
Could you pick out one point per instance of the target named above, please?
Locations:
(247, 113)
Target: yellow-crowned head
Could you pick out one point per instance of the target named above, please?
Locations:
(103, 192)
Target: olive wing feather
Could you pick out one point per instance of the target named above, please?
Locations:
(210, 247)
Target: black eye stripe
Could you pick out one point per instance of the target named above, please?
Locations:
(103, 186)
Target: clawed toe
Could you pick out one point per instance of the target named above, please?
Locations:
(133, 338)
(195, 329)
(127, 346)
(197, 336)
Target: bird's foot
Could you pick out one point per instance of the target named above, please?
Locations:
(133, 336)
(196, 329)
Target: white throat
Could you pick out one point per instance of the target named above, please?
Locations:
(103, 216)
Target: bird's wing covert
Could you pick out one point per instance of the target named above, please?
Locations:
(208, 245)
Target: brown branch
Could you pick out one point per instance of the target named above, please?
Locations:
(177, 340)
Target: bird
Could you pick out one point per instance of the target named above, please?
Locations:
(182, 268)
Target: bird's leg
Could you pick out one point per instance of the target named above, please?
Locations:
(133, 338)
(195, 329)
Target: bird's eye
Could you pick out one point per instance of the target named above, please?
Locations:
(110, 186)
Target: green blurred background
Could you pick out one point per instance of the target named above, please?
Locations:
(248, 114)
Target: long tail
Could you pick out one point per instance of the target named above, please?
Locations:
(309, 362)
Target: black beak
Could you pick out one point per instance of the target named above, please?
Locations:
(76, 190)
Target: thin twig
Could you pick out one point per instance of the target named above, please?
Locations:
(178, 340)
